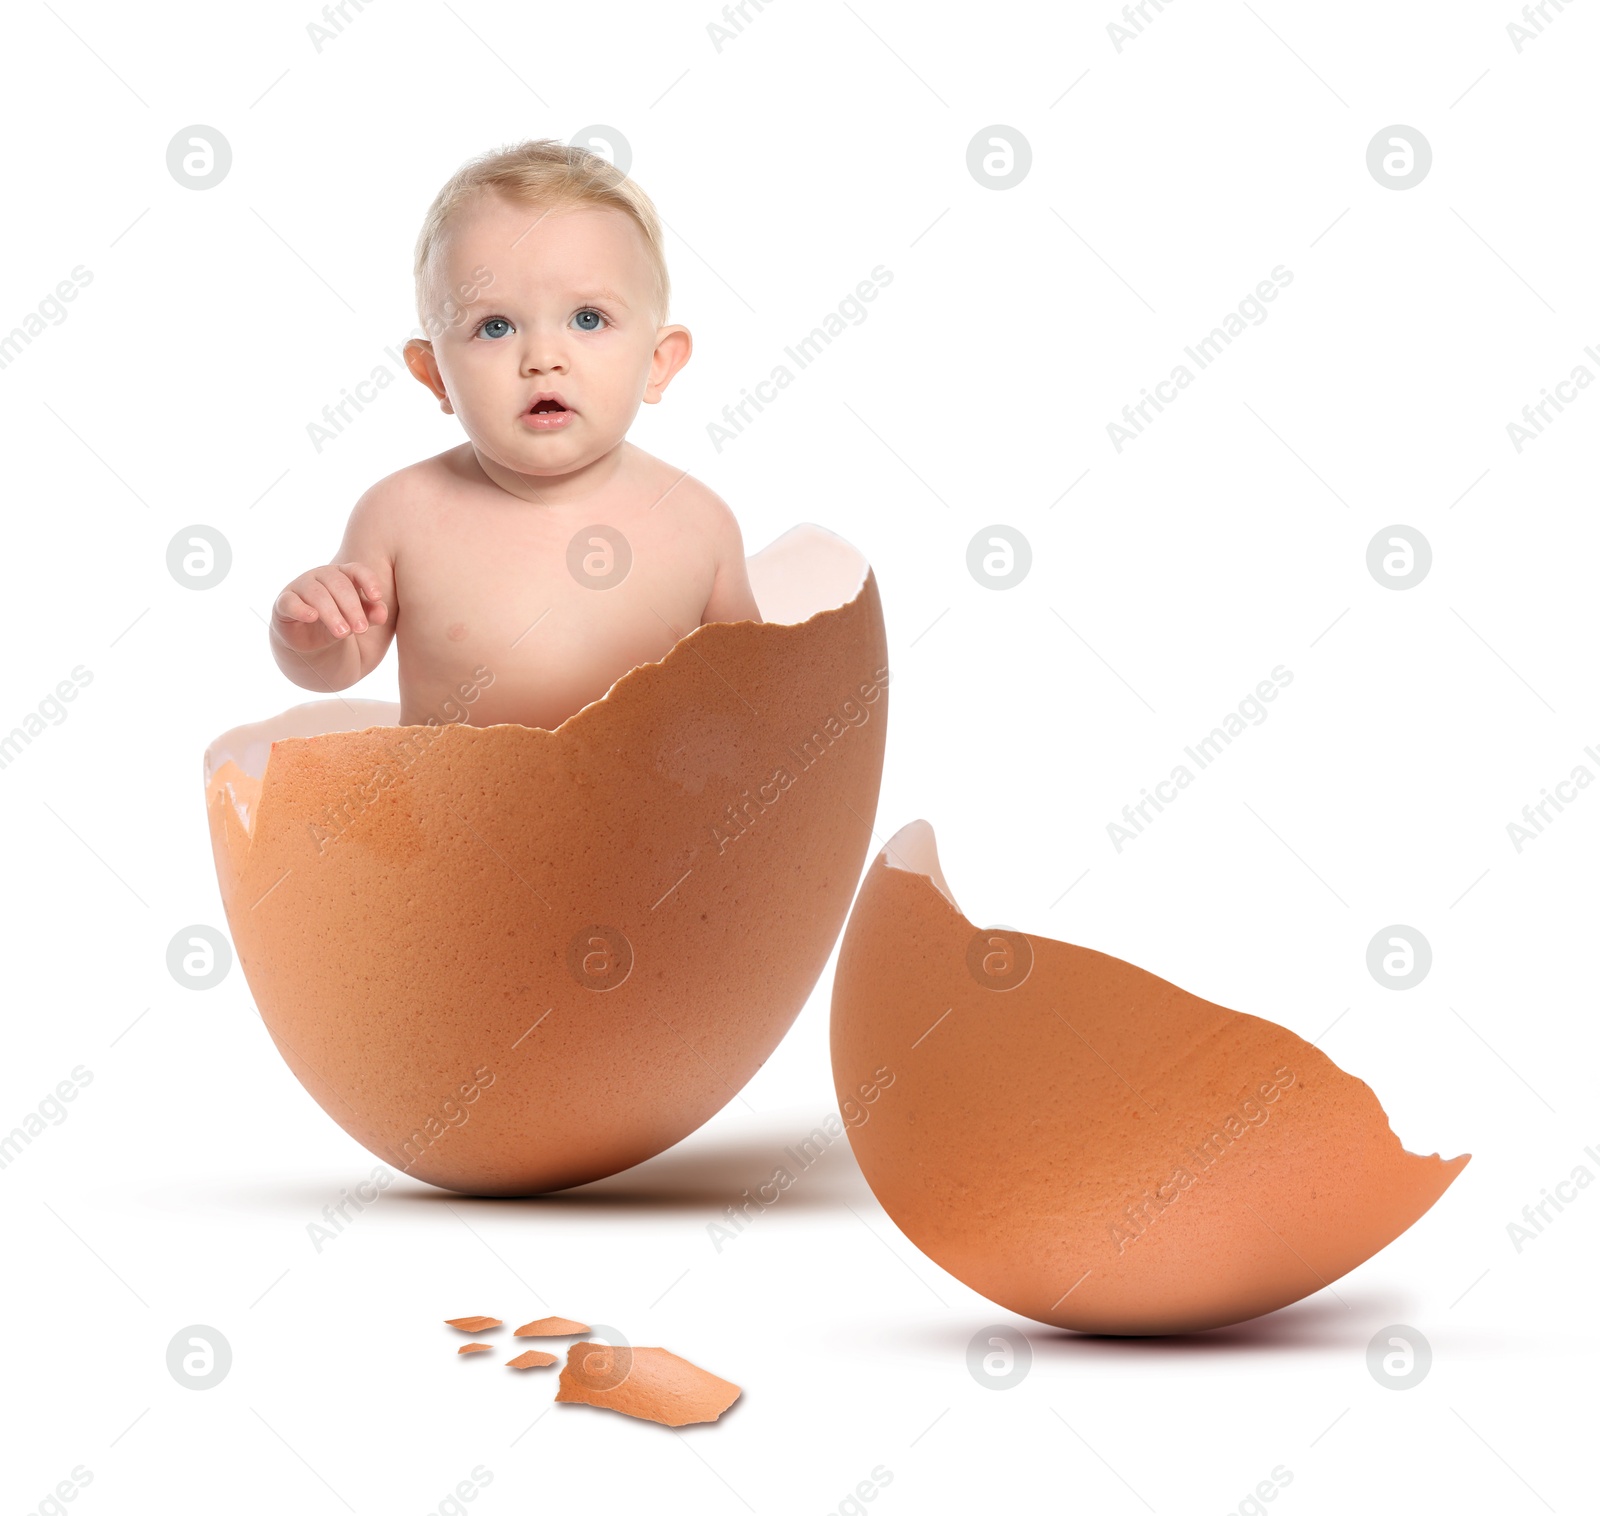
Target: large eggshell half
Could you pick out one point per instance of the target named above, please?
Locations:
(509, 960)
(1087, 1144)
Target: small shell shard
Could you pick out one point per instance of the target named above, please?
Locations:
(532, 1359)
(552, 1326)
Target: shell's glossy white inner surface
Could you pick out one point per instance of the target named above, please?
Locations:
(795, 577)
(914, 850)
(250, 745)
(806, 570)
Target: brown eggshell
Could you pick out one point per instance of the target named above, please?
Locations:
(1092, 1146)
(649, 1383)
(474, 1347)
(552, 1326)
(472, 1323)
(509, 960)
(532, 1359)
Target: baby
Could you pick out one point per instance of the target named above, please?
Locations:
(528, 569)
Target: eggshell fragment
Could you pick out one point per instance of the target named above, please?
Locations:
(510, 960)
(472, 1323)
(474, 1347)
(551, 1326)
(1087, 1144)
(649, 1383)
(532, 1359)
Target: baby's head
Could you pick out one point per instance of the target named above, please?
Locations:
(540, 272)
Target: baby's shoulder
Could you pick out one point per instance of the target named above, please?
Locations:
(707, 516)
(689, 497)
(395, 501)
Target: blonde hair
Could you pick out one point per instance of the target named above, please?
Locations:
(550, 174)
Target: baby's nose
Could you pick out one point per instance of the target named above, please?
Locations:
(543, 355)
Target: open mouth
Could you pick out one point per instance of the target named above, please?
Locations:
(547, 413)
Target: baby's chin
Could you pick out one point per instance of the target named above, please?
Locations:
(551, 456)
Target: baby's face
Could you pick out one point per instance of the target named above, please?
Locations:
(567, 310)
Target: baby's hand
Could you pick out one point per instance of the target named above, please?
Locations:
(324, 604)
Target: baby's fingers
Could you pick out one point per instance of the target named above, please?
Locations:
(371, 591)
(289, 606)
(315, 592)
(346, 600)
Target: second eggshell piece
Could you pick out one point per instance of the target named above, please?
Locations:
(1089, 1145)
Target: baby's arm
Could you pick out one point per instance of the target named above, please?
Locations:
(731, 597)
(332, 625)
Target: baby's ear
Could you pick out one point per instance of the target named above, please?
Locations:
(425, 368)
(673, 346)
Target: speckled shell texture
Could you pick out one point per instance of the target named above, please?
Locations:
(1095, 1147)
(509, 960)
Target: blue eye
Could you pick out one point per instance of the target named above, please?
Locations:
(495, 327)
(583, 318)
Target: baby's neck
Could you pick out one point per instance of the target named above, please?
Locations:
(555, 490)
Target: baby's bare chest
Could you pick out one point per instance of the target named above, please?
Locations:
(539, 615)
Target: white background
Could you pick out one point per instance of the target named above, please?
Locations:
(1168, 579)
